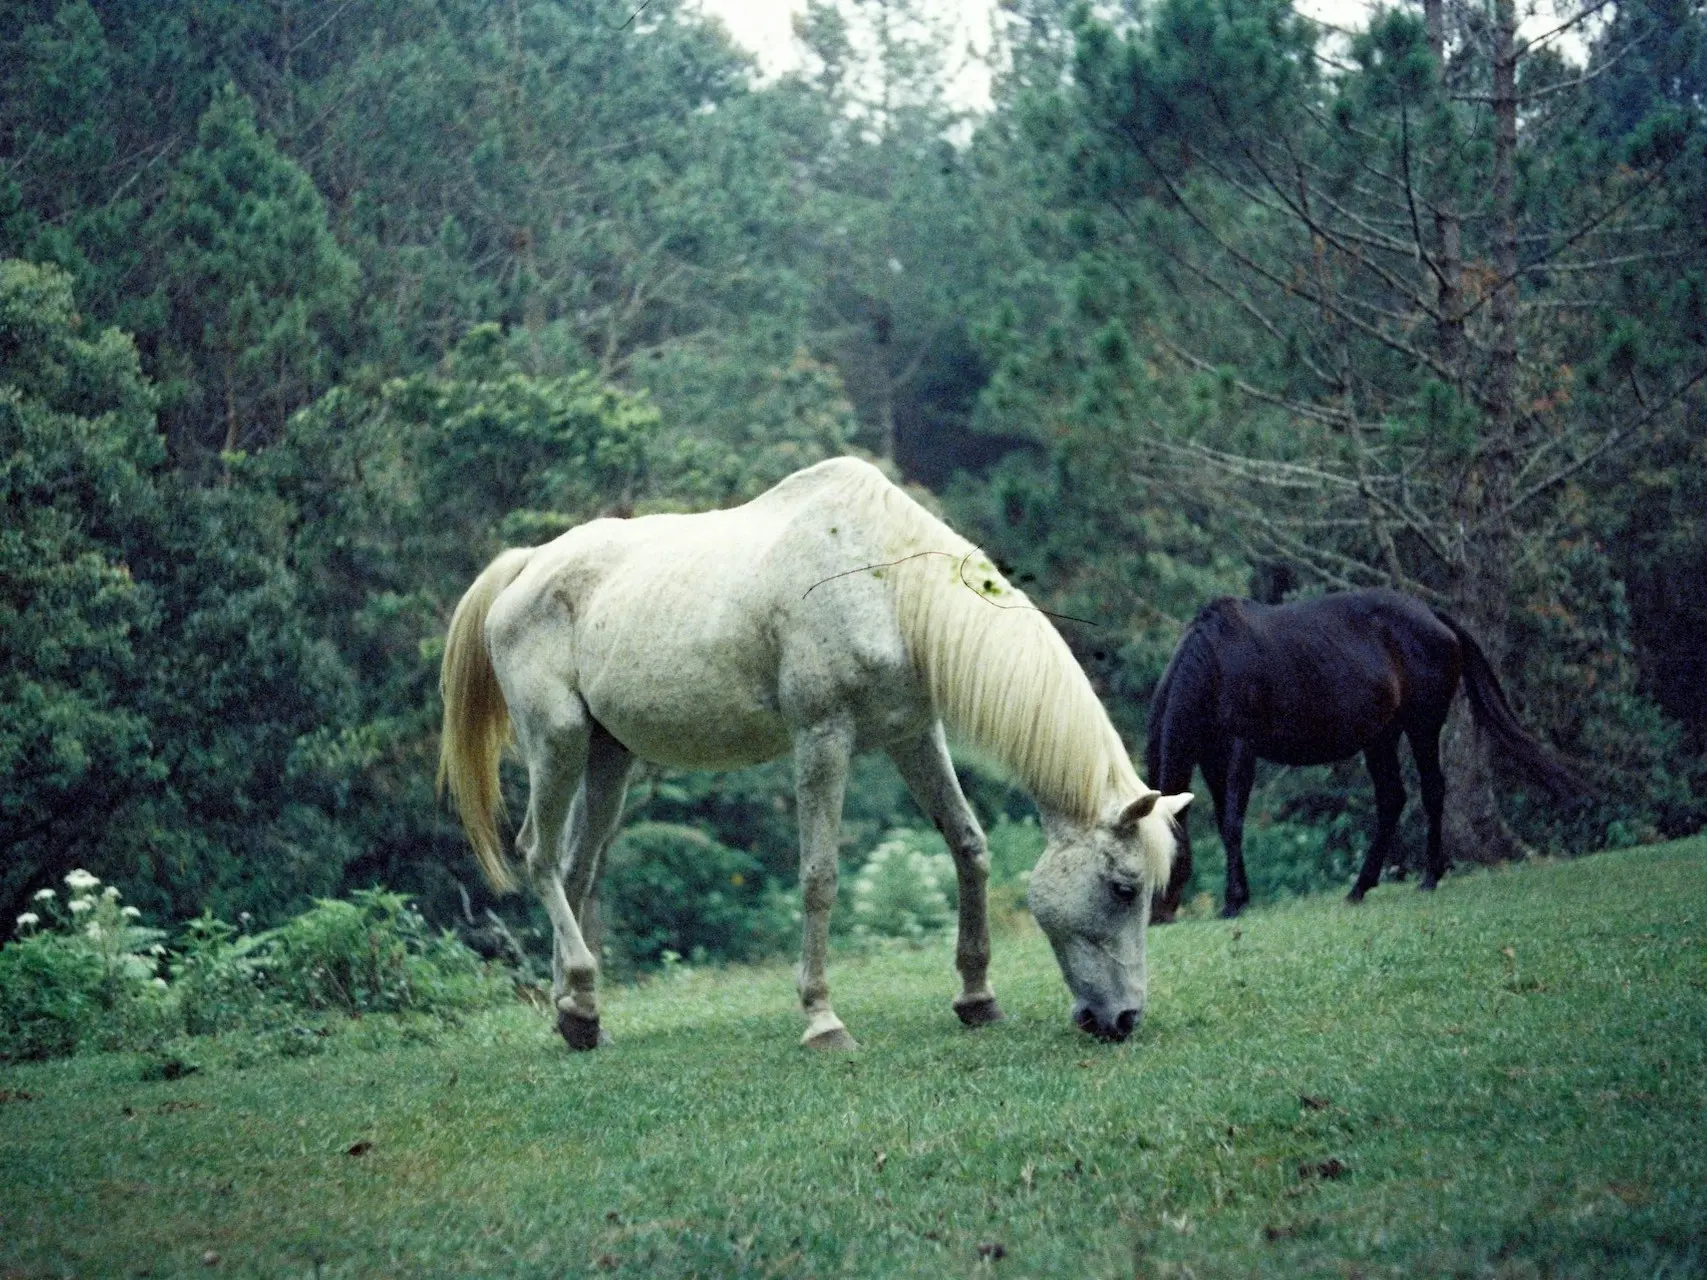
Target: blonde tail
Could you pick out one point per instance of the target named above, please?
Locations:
(477, 722)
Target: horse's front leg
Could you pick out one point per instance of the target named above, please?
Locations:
(1241, 776)
(821, 756)
(925, 767)
(1164, 906)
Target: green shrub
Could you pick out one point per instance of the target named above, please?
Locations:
(672, 888)
(217, 977)
(906, 889)
(82, 972)
(371, 954)
(49, 996)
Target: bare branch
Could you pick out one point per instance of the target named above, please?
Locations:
(1255, 268)
(1335, 418)
(1609, 442)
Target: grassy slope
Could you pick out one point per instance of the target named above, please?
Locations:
(1537, 1110)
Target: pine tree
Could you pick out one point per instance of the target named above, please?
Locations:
(253, 296)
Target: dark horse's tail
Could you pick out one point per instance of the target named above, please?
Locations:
(1489, 706)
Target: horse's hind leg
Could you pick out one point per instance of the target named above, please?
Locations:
(552, 730)
(593, 818)
(925, 767)
(821, 755)
(1383, 760)
(1425, 748)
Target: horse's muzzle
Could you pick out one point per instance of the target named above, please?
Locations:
(1125, 1022)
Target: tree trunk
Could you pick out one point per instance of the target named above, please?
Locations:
(1474, 830)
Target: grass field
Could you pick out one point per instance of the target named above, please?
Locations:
(1505, 1078)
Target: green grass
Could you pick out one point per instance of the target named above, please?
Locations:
(1505, 1078)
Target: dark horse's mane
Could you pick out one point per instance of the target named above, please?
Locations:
(1192, 664)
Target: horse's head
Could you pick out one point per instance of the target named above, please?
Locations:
(1090, 894)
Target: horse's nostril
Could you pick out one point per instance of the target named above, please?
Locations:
(1125, 1022)
(1085, 1020)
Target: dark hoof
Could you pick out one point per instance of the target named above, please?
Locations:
(835, 1040)
(1231, 910)
(979, 1013)
(1356, 895)
(580, 1033)
(1427, 884)
(1162, 916)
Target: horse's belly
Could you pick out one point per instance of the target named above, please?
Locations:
(710, 737)
(1311, 751)
(691, 707)
(1307, 741)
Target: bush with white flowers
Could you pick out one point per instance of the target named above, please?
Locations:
(83, 969)
(906, 888)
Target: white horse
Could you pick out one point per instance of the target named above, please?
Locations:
(830, 615)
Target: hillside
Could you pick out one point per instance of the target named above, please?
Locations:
(1507, 1077)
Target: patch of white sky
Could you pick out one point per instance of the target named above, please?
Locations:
(766, 29)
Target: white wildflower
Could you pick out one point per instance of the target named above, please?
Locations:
(28, 919)
(110, 892)
(44, 895)
(131, 913)
(80, 905)
(81, 880)
(160, 982)
(157, 950)
(94, 929)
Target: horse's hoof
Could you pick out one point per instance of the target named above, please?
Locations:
(1426, 885)
(980, 1013)
(835, 1040)
(580, 1032)
(1161, 917)
(1355, 896)
(1231, 911)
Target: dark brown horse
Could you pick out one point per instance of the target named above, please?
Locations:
(1313, 682)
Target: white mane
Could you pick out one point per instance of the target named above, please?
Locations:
(998, 672)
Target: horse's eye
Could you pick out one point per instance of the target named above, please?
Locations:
(1125, 894)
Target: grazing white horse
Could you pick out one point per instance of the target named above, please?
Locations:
(830, 615)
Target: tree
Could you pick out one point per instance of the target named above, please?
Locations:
(253, 294)
(902, 251)
(1388, 307)
(76, 430)
(157, 680)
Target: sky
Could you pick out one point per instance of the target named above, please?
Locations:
(763, 26)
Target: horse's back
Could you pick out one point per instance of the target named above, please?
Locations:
(699, 639)
(1317, 680)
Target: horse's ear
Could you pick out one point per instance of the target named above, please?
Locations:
(1136, 812)
(1171, 807)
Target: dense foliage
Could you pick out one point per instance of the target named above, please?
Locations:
(304, 316)
(87, 971)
